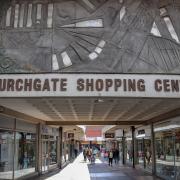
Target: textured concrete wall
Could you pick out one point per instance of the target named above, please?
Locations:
(89, 36)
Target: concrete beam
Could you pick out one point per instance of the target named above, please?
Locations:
(64, 123)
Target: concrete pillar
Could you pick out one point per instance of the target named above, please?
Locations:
(133, 145)
(39, 149)
(60, 148)
(123, 148)
(153, 150)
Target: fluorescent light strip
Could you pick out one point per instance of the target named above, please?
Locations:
(140, 136)
(173, 126)
(8, 17)
(155, 30)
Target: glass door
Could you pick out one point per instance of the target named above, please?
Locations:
(45, 155)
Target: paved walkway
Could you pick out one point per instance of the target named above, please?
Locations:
(80, 170)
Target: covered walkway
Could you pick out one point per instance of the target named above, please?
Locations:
(80, 170)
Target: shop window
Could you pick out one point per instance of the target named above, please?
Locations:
(6, 154)
(167, 144)
(53, 152)
(25, 153)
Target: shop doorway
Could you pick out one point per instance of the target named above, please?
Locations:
(45, 156)
(49, 152)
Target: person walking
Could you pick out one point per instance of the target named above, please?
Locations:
(85, 154)
(116, 156)
(110, 156)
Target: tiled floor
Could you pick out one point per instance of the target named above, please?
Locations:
(80, 170)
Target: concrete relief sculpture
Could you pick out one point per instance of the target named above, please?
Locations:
(123, 36)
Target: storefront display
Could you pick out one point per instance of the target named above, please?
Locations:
(167, 143)
(24, 163)
(17, 148)
(49, 147)
(143, 148)
(6, 154)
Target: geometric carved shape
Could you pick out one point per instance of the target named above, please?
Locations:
(155, 30)
(55, 65)
(66, 59)
(98, 23)
(171, 29)
(50, 15)
(29, 19)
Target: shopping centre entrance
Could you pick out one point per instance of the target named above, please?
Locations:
(42, 117)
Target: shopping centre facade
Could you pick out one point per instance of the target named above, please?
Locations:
(89, 62)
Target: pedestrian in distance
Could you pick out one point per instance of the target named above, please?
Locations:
(116, 156)
(110, 156)
(85, 154)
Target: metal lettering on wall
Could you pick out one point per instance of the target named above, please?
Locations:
(89, 85)
(121, 36)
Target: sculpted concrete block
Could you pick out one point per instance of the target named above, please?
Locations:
(122, 36)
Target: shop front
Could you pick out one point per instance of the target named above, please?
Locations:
(167, 148)
(143, 148)
(49, 148)
(17, 148)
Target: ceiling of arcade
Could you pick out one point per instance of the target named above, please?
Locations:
(124, 36)
(80, 111)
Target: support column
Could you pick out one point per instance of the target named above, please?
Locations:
(60, 149)
(153, 150)
(123, 147)
(39, 149)
(133, 145)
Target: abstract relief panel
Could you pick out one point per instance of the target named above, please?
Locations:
(121, 36)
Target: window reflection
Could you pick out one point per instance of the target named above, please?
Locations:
(25, 154)
(6, 154)
(167, 142)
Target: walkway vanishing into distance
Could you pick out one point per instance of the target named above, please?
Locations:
(80, 170)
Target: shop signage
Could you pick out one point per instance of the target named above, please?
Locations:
(142, 131)
(119, 133)
(109, 135)
(70, 135)
(91, 85)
